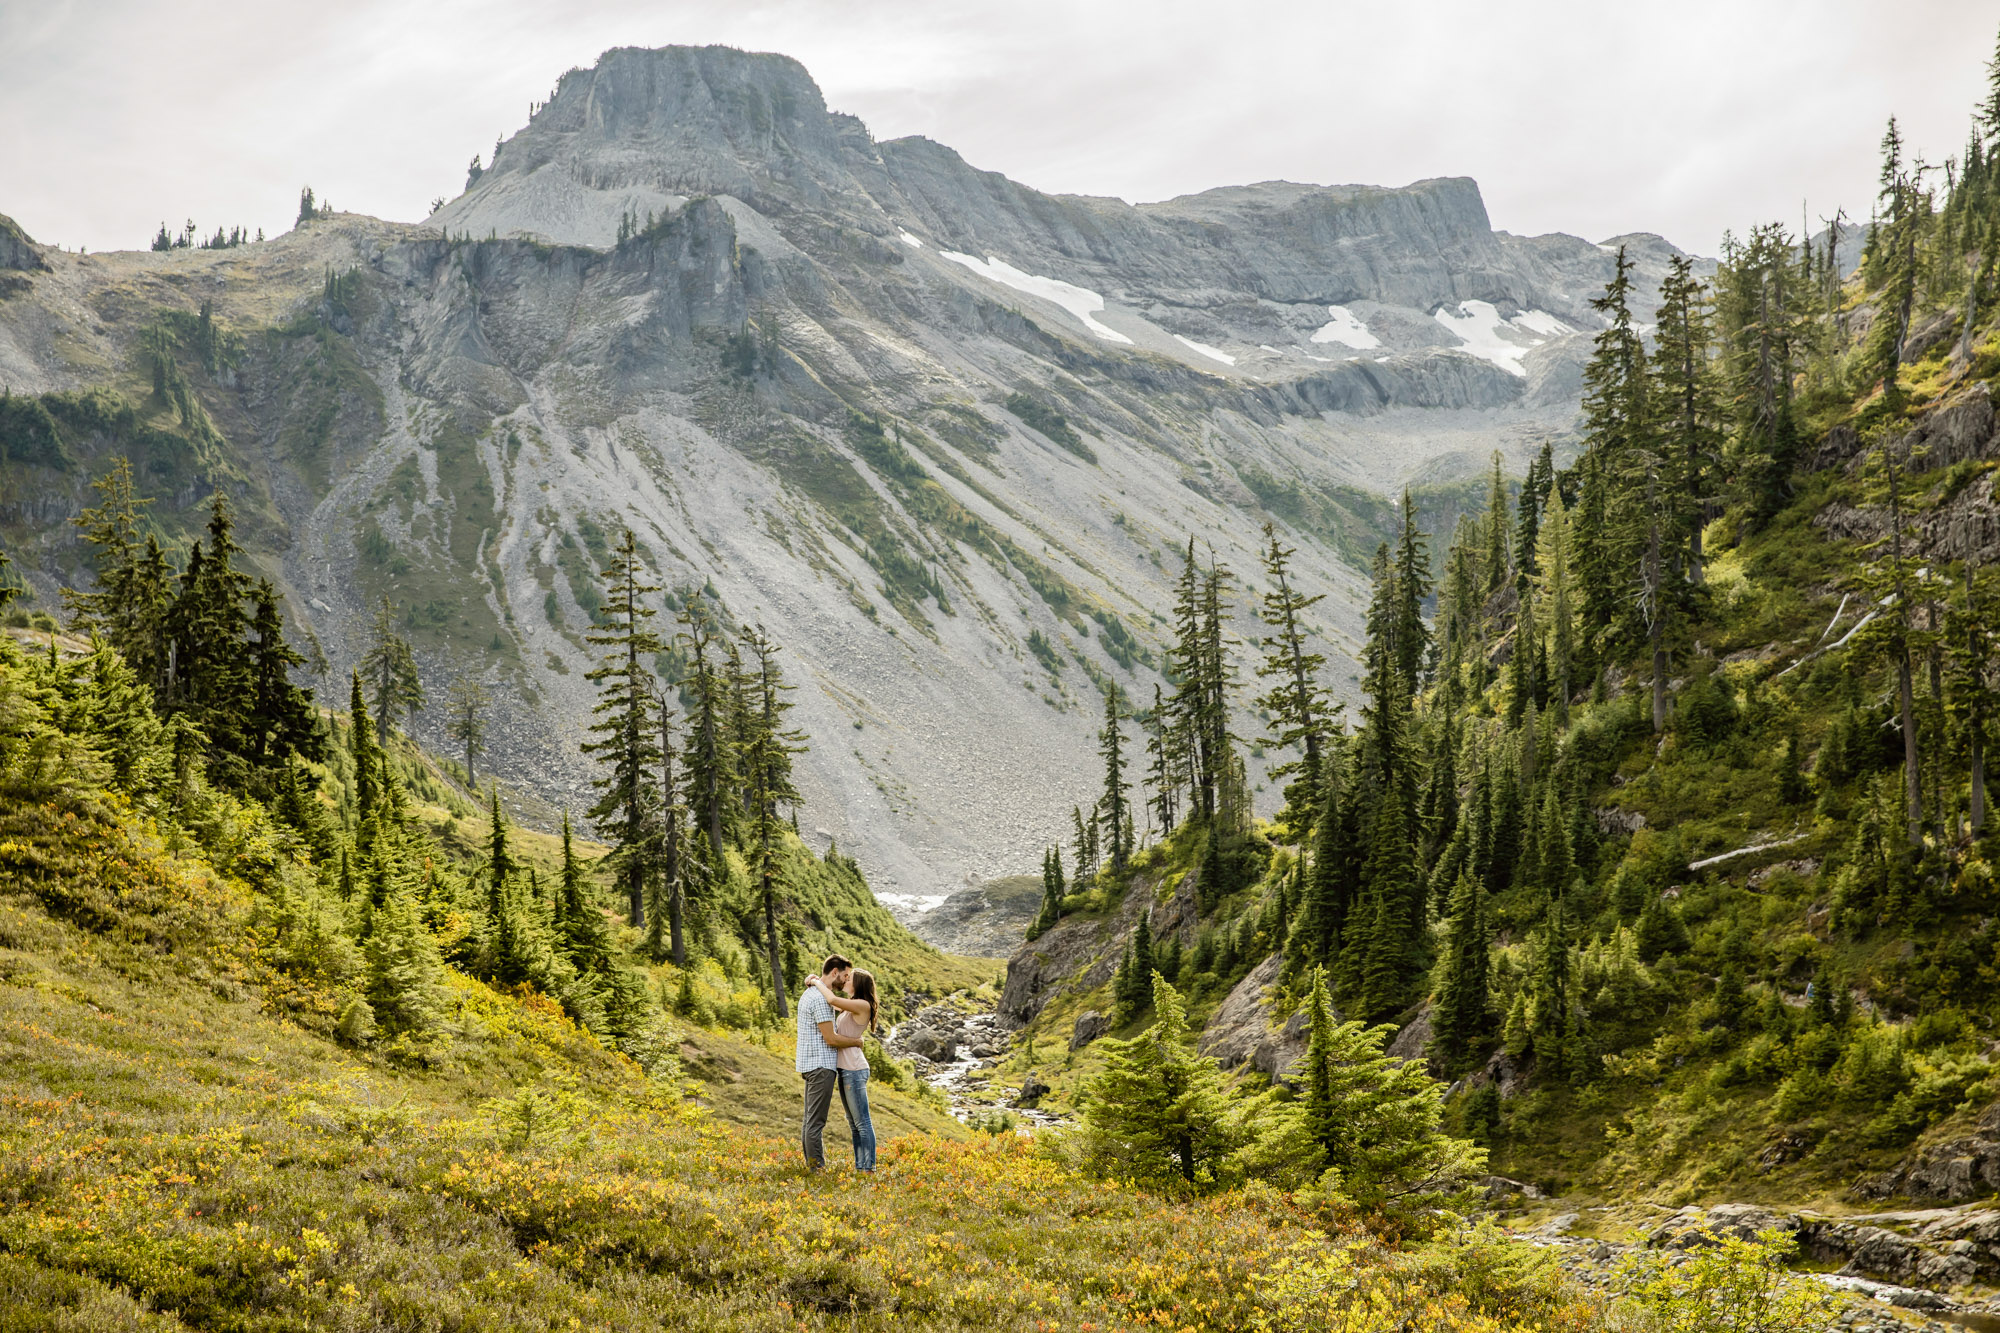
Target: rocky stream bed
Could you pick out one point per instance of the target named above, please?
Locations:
(956, 1051)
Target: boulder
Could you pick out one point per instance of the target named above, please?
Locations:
(1500, 1187)
(931, 1044)
(1241, 1021)
(1090, 1025)
(18, 250)
(1031, 1093)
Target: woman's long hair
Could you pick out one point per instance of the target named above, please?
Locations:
(862, 986)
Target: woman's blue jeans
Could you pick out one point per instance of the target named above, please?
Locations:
(854, 1101)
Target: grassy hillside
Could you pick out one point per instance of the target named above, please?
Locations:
(183, 1150)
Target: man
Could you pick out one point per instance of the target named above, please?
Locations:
(816, 1060)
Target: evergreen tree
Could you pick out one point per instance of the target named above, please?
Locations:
(390, 668)
(1549, 989)
(1759, 308)
(1690, 414)
(206, 624)
(1052, 893)
(128, 606)
(1298, 704)
(1895, 637)
(1497, 528)
(1528, 516)
(1893, 269)
(1633, 522)
(1461, 1021)
(1084, 858)
(1384, 954)
(1139, 969)
(404, 972)
(1555, 601)
(710, 765)
(359, 742)
(282, 721)
(1323, 913)
(1165, 775)
(499, 856)
(1112, 803)
(1413, 584)
(583, 933)
(1377, 1121)
(1971, 697)
(624, 728)
(767, 772)
(466, 705)
(1159, 1113)
(672, 878)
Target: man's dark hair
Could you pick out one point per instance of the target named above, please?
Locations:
(834, 963)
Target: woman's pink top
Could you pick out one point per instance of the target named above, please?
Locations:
(849, 1025)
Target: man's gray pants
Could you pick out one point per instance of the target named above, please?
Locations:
(820, 1085)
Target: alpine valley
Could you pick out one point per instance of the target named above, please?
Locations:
(1502, 724)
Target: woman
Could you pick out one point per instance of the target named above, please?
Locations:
(854, 1017)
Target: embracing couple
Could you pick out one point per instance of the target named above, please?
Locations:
(835, 1012)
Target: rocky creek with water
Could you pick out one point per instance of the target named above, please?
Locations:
(957, 1052)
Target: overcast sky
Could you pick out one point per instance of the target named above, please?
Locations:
(1587, 116)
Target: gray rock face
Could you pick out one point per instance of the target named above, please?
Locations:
(1953, 1171)
(987, 920)
(1939, 1249)
(18, 250)
(1075, 956)
(933, 1035)
(1242, 1030)
(1090, 1025)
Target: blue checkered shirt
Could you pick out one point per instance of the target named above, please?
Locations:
(813, 1051)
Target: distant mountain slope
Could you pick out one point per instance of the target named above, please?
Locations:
(945, 436)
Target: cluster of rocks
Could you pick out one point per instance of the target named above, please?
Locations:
(940, 1034)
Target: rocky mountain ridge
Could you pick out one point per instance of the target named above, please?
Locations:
(946, 437)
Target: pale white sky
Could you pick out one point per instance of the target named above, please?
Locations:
(1588, 116)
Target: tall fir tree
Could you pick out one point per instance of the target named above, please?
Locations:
(710, 764)
(1111, 748)
(282, 721)
(1159, 1112)
(767, 774)
(465, 712)
(582, 931)
(672, 869)
(390, 668)
(1297, 702)
(1461, 1021)
(1687, 403)
(625, 746)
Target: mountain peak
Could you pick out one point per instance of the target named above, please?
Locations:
(644, 129)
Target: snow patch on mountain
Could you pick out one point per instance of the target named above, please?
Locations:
(1346, 329)
(1484, 333)
(1213, 353)
(1079, 301)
